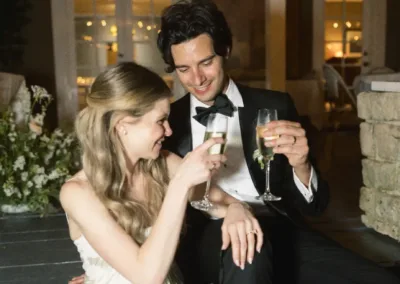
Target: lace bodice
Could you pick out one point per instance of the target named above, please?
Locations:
(98, 271)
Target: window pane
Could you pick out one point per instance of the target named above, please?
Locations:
(85, 28)
(83, 7)
(105, 7)
(147, 55)
(141, 8)
(85, 55)
(106, 29)
(142, 29)
(333, 10)
(332, 50)
(159, 6)
(333, 31)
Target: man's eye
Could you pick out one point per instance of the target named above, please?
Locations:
(207, 63)
(182, 70)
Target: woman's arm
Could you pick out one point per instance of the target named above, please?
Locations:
(150, 262)
(146, 264)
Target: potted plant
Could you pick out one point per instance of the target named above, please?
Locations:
(34, 163)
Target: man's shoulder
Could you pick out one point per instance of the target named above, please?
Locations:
(260, 94)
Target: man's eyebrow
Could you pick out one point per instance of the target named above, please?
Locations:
(201, 61)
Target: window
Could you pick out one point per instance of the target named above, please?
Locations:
(343, 36)
(111, 31)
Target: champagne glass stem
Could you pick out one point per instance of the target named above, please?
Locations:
(207, 189)
(267, 171)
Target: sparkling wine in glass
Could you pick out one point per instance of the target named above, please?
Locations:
(217, 125)
(265, 116)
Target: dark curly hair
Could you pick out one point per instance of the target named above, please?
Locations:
(185, 20)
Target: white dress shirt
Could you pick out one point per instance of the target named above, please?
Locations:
(235, 178)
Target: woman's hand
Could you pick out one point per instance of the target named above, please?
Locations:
(240, 229)
(198, 165)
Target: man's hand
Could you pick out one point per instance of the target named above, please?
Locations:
(77, 280)
(240, 228)
(292, 143)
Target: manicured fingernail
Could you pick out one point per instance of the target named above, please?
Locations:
(242, 267)
(259, 250)
(237, 262)
(250, 260)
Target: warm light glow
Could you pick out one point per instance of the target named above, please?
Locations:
(348, 24)
(356, 38)
(159, 31)
(338, 54)
(335, 25)
(114, 30)
(84, 80)
(140, 24)
(87, 38)
(149, 28)
(103, 23)
(133, 31)
(89, 23)
(329, 46)
(114, 47)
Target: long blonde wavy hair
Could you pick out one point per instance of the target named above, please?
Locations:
(126, 89)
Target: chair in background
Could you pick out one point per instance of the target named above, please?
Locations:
(335, 87)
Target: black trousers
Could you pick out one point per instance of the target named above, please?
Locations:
(291, 254)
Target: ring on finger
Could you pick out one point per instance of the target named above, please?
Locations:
(251, 232)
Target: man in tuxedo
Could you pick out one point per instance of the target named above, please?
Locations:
(195, 42)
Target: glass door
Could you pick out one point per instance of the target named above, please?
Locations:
(112, 31)
(343, 37)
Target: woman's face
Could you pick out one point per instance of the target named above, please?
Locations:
(142, 137)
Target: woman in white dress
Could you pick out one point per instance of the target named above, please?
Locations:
(126, 207)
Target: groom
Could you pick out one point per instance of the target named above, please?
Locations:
(195, 42)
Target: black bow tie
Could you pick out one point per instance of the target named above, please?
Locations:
(221, 105)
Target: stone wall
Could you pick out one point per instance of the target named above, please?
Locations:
(380, 144)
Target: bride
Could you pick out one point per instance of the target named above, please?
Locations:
(125, 209)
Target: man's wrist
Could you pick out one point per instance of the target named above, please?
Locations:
(303, 172)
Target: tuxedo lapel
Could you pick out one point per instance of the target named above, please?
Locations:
(180, 120)
(248, 119)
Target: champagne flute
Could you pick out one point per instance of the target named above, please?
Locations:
(265, 116)
(217, 125)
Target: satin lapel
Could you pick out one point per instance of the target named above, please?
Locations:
(247, 118)
(181, 126)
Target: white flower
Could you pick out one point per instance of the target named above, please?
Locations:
(40, 93)
(38, 180)
(54, 175)
(58, 132)
(26, 192)
(44, 139)
(48, 157)
(24, 176)
(31, 155)
(29, 184)
(19, 163)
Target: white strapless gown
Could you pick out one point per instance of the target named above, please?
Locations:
(99, 271)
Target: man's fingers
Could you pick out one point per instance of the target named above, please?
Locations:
(277, 123)
(225, 238)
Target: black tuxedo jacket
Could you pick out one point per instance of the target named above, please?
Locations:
(281, 180)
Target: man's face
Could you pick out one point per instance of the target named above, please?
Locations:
(199, 69)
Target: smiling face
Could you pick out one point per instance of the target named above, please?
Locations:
(199, 68)
(142, 137)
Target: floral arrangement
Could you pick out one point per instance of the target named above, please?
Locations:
(34, 163)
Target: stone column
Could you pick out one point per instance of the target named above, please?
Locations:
(380, 144)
